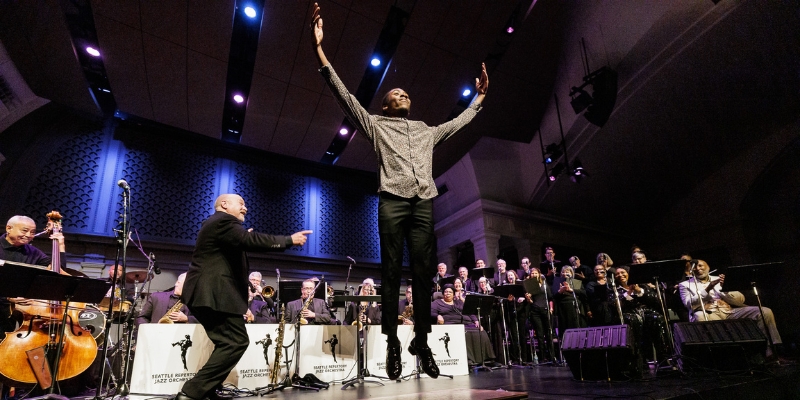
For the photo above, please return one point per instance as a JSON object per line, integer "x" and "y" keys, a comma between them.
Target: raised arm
{"x": 481, "y": 84}
{"x": 316, "y": 24}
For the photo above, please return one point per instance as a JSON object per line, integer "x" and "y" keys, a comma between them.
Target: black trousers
{"x": 229, "y": 335}
{"x": 541, "y": 328}
{"x": 409, "y": 220}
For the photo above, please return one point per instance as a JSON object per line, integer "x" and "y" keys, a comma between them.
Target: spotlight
{"x": 343, "y": 131}
{"x": 238, "y": 98}
{"x": 92, "y": 51}
{"x": 555, "y": 172}
{"x": 250, "y": 12}
{"x": 375, "y": 61}
{"x": 551, "y": 153}
{"x": 582, "y": 101}
{"x": 510, "y": 29}
{"x": 466, "y": 93}
{"x": 577, "y": 172}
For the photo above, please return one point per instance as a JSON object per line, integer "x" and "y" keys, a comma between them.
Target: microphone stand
{"x": 574, "y": 297}
{"x": 616, "y": 299}
{"x": 122, "y": 238}
{"x": 697, "y": 290}
{"x": 549, "y": 322}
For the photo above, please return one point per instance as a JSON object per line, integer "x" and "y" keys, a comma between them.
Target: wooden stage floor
{"x": 556, "y": 382}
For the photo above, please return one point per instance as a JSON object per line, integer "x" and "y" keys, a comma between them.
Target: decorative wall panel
{"x": 172, "y": 191}
{"x": 67, "y": 180}
{"x": 277, "y": 202}
{"x": 348, "y": 222}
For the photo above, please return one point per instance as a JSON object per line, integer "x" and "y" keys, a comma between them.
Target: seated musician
{"x": 463, "y": 274}
{"x": 316, "y": 313}
{"x": 484, "y": 287}
{"x": 129, "y": 288}
{"x": 460, "y": 293}
{"x": 721, "y": 305}
{"x": 371, "y": 314}
{"x": 15, "y": 245}
{"x": 406, "y": 310}
{"x": 441, "y": 273}
{"x": 640, "y": 307}
{"x": 159, "y": 305}
{"x": 260, "y": 310}
{"x": 448, "y": 311}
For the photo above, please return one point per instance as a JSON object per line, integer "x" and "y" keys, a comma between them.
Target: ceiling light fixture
{"x": 92, "y": 51}
{"x": 250, "y": 12}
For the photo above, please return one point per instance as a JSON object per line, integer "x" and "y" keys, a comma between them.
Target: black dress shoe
{"x": 394, "y": 367}
{"x": 214, "y": 395}
{"x": 183, "y": 396}
{"x": 314, "y": 381}
{"x": 426, "y": 361}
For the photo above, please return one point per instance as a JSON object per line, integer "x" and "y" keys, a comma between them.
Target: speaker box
{"x": 727, "y": 345}
{"x": 601, "y": 353}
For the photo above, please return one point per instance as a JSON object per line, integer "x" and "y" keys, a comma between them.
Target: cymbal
{"x": 138, "y": 276}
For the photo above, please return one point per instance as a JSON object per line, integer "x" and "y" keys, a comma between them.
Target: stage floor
{"x": 555, "y": 382}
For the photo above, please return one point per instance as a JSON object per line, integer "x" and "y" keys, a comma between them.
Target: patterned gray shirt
{"x": 404, "y": 148}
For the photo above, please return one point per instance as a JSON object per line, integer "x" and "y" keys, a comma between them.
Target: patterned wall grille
{"x": 277, "y": 202}
{"x": 172, "y": 191}
{"x": 348, "y": 221}
{"x": 66, "y": 182}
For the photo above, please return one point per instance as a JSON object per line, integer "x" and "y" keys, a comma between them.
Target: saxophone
{"x": 310, "y": 298}
{"x": 276, "y": 363}
{"x": 165, "y": 319}
{"x": 361, "y": 310}
{"x": 408, "y": 313}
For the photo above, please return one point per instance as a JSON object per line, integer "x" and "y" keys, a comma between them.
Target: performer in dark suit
{"x": 550, "y": 267}
{"x": 216, "y": 289}
{"x": 317, "y": 312}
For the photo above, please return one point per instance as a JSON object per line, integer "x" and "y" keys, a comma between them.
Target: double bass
{"x": 29, "y": 354}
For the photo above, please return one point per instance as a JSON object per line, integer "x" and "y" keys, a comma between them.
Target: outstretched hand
{"x": 299, "y": 238}
{"x": 481, "y": 84}
{"x": 316, "y": 24}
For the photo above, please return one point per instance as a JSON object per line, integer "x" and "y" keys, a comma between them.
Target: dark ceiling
{"x": 699, "y": 82}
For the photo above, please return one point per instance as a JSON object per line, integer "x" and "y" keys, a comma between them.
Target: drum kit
{"x": 93, "y": 317}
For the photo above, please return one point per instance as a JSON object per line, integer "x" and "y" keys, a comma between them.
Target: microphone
{"x": 121, "y": 183}
{"x": 351, "y": 259}
{"x": 156, "y": 269}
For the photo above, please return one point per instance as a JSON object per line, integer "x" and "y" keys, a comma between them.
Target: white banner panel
{"x": 454, "y": 363}
{"x": 167, "y": 355}
{"x": 252, "y": 371}
{"x": 328, "y": 351}
{"x": 160, "y": 353}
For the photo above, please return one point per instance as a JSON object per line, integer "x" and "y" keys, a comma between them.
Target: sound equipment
{"x": 727, "y": 345}
{"x": 600, "y": 353}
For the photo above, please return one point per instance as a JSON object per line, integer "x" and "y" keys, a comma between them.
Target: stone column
{"x": 486, "y": 247}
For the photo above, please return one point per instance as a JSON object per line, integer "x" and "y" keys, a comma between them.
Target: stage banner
{"x": 159, "y": 366}
{"x": 446, "y": 341}
{"x": 167, "y": 355}
{"x": 328, "y": 352}
{"x": 253, "y": 369}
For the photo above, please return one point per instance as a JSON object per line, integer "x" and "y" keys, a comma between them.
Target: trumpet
{"x": 268, "y": 292}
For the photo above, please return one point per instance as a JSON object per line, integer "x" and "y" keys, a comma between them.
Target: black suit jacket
{"x": 217, "y": 277}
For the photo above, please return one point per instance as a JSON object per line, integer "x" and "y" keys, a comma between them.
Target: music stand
{"x": 446, "y": 281}
{"x": 363, "y": 373}
{"x": 34, "y": 282}
{"x": 743, "y": 277}
{"x": 651, "y": 271}
{"x": 477, "y": 273}
{"x": 472, "y": 306}
{"x": 502, "y": 292}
